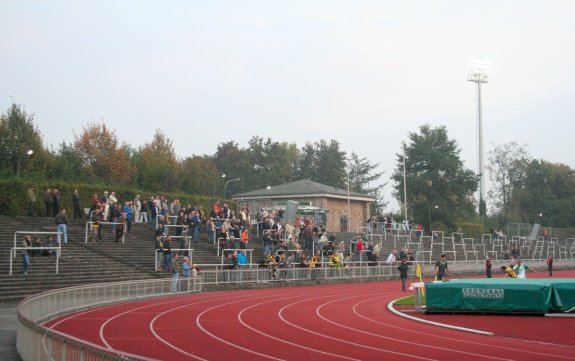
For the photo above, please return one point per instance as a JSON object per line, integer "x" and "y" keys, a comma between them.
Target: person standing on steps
{"x": 96, "y": 218}
{"x": 48, "y": 201}
{"x": 129, "y": 212}
{"x": 137, "y": 208}
{"x": 56, "y": 202}
{"x": 403, "y": 269}
{"x": 175, "y": 268}
{"x": 31, "y": 198}
{"x": 61, "y": 221}
{"x": 120, "y": 228}
{"x": 26, "y": 242}
{"x": 76, "y": 204}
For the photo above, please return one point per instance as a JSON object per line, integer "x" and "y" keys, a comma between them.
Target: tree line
{"x": 440, "y": 189}
{"x": 96, "y": 155}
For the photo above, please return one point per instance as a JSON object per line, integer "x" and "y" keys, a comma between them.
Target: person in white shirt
{"x": 392, "y": 258}
{"x": 520, "y": 269}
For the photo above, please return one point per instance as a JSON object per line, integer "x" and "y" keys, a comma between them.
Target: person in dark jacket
{"x": 61, "y": 220}
{"x": 48, "y": 202}
{"x": 56, "y": 202}
{"x": 403, "y": 269}
{"x": 76, "y": 204}
{"x": 488, "y": 267}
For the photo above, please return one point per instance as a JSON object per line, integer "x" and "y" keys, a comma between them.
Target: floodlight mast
{"x": 479, "y": 69}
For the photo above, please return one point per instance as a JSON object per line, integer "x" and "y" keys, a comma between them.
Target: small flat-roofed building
{"x": 328, "y": 204}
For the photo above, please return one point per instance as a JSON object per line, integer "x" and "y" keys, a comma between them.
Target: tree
{"x": 102, "y": 157}
{"x": 323, "y": 162}
{"x": 330, "y": 163}
{"x": 233, "y": 162}
{"x": 157, "y": 165}
{"x": 306, "y": 163}
{"x": 435, "y": 177}
{"x": 547, "y": 194}
{"x": 362, "y": 176}
{"x": 21, "y": 146}
{"x": 507, "y": 166}
{"x": 67, "y": 164}
{"x": 200, "y": 175}
{"x": 273, "y": 162}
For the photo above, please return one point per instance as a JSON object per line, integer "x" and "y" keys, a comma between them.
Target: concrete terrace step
{"x": 84, "y": 263}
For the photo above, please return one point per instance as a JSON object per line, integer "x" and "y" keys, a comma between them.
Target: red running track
{"x": 328, "y": 322}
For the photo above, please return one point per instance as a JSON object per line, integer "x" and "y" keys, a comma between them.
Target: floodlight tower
{"x": 478, "y": 71}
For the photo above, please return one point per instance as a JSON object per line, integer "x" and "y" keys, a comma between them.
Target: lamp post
{"x": 29, "y": 152}
{"x": 429, "y": 216}
{"x": 348, "y": 201}
{"x": 405, "y": 191}
{"x": 215, "y": 181}
{"x": 479, "y": 69}
{"x": 226, "y": 185}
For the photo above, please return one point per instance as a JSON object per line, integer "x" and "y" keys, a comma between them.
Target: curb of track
{"x": 444, "y": 325}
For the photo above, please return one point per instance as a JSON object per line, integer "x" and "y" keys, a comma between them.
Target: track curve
{"x": 328, "y": 322}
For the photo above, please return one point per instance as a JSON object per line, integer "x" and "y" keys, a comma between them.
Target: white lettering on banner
{"x": 486, "y": 293}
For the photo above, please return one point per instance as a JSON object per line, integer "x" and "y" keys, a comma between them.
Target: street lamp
{"x": 226, "y": 185}
{"x": 405, "y": 192}
{"x": 29, "y": 152}
{"x": 215, "y": 180}
{"x": 429, "y": 216}
{"x": 347, "y": 168}
{"x": 479, "y": 69}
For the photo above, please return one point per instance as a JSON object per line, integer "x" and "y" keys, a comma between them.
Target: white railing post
{"x": 11, "y": 250}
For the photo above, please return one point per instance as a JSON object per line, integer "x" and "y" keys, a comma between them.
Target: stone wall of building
{"x": 338, "y": 207}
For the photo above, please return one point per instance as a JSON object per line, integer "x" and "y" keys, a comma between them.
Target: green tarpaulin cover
{"x": 501, "y": 295}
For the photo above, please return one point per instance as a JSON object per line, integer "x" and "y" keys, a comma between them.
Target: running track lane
{"x": 330, "y": 322}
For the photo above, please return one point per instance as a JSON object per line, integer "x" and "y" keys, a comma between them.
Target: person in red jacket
{"x": 244, "y": 239}
{"x": 488, "y": 267}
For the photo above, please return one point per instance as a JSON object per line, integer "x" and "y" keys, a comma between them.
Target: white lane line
{"x": 281, "y": 311}
{"x": 402, "y": 341}
{"x": 198, "y": 323}
{"x": 457, "y": 339}
{"x": 444, "y": 325}
{"x": 285, "y": 341}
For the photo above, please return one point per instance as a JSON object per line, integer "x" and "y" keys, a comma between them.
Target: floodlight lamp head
{"x": 478, "y": 70}
{"x": 479, "y": 66}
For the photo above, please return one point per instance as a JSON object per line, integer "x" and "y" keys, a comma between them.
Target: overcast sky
{"x": 364, "y": 73}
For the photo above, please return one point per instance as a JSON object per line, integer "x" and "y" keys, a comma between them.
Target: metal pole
{"x": 481, "y": 162}
{"x": 58, "y": 255}
{"x": 429, "y": 216}
{"x": 11, "y": 255}
{"x": 404, "y": 191}
{"x": 348, "y": 205}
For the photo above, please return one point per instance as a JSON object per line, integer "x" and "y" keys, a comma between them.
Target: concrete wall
{"x": 337, "y": 208}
